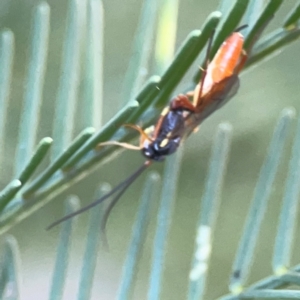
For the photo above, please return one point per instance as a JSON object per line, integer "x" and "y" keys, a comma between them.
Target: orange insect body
{"x": 180, "y": 118}
{"x": 228, "y": 60}
{"x": 218, "y": 84}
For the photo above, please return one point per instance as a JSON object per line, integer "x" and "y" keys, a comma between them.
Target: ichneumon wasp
{"x": 182, "y": 116}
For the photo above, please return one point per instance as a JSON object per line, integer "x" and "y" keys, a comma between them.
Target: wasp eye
{"x": 148, "y": 152}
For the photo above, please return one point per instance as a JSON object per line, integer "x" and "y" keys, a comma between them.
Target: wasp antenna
{"x": 241, "y": 28}
{"x": 121, "y": 186}
{"x": 107, "y": 214}
{"x": 114, "y": 201}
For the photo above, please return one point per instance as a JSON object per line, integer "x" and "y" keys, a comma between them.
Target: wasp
{"x": 182, "y": 116}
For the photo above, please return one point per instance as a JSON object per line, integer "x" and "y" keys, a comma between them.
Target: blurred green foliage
{"x": 264, "y": 92}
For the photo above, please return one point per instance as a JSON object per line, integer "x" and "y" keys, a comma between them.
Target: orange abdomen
{"x": 227, "y": 58}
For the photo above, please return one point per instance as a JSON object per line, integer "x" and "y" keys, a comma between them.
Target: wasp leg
{"x": 116, "y": 143}
{"x": 196, "y": 129}
{"x": 144, "y": 136}
{"x": 142, "y": 132}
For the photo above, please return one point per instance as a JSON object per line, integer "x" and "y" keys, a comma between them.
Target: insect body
{"x": 166, "y": 136}
{"x": 183, "y": 115}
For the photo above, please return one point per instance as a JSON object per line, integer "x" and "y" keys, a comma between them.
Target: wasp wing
{"x": 220, "y": 94}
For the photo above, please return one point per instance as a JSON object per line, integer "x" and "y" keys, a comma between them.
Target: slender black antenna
{"x": 121, "y": 186}
{"x": 241, "y": 27}
{"x": 112, "y": 205}
{"x": 114, "y": 201}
